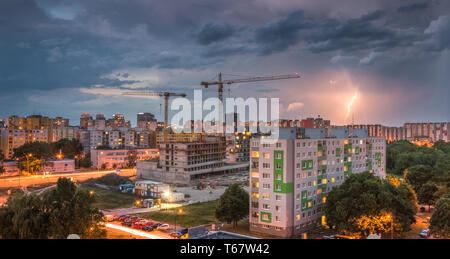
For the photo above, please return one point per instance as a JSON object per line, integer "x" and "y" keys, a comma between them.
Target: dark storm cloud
{"x": 53, "y": 46}
{"x": 213, "y": 32}
{"x": 279, "y": 35}
{"x": 439, "y": 31}
{"x": 413, "y": 7}
{"x": 322, "y": 35}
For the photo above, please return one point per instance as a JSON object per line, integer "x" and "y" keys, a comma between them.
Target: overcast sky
{"x": 377, "y": 61}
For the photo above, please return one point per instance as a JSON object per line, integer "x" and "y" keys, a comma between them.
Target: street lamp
{"x": 28, "y": 161}
{"x": 392, "y": 225}
{"x": 176, "y": 214}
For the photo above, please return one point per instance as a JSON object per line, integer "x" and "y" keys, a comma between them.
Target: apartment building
{"x": 238, "y": 147}
{"x": 426, "y": 131}
{"x": 38, "y": 122}
{"x": 290, "y": 179}
{"x": 14, "y": 138}
{"x": 119, "y": 158}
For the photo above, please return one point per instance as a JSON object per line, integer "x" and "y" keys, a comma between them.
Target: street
{"x": 53, "y": 178}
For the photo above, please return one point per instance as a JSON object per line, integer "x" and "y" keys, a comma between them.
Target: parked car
{"x": 425, "y": 233}
{"x": 127, "y": 223}
{"x": 147, "y": 228}
{"x": 175, "y": 234}
{"x": 123, "y": 217}
{"x": 109, "y": 218}
{"x": 163, "y": 227}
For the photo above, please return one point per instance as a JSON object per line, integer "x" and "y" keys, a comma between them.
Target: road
{"x": 136, "y": 232}
{"x": 53, "y": 178}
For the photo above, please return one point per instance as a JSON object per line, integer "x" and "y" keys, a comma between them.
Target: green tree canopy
{"x": 38, "y": 150}
{"x": 427, "y": 194}
{"x": 440, "y": 220}
{"x": 367, "y": 196}
{"x": 54, "y": 214}
{"x": 233, "y": 205}
{"x": 69, "y": 148}
{"x": 418, "y": 175}
{"x": 442, "y": 146}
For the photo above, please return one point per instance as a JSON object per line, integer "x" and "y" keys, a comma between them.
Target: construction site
{"x": 200, "y": 158}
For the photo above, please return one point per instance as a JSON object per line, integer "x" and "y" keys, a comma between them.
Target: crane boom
{"x": 251, "y": 79}
{"x": 221, "y": 82}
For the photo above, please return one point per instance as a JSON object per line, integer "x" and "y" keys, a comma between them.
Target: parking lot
{"x": 143, "y": 228}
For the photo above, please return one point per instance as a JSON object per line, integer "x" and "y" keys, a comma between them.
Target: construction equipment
{"x": 166, "y": 96}
{"x": 220, "y": 84}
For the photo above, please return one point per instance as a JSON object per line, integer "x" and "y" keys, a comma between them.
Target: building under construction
{"x": 183, "y": 160}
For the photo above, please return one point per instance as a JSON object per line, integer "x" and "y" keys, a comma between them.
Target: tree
{"x": 104, "y": 165}
{"x": 86, "y": 162}
{"x": 364, "y": 198}
{"x": 442, "y": 146}
{"x": 69, "y": 148}
{"x": 53, "y": 214}
{"x": 132, "y": 160}
{"x": 426, "y": 194}
{"x": 418, "y": 175}
{"x": 233, "y": 205}
{"x": 440, "y": 220}
{"x": 408, "y": 194}
{"x": 25, "y": 217}
{"x": 72, "y": 212}
{"x": 39, "y": 150}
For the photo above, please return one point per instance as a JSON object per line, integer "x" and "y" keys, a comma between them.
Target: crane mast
{"x": 166, "y": 96}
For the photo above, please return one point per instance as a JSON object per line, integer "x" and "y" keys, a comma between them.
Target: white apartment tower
{"x": 290, "y": 179}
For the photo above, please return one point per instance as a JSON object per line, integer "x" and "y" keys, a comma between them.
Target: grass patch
{"x": 14, "y": 191}
{"x": 112, "y": 179}
{"x": 111, "y": 199}
{"x": 192, "y": 215}
{"x": 36, "y": 187}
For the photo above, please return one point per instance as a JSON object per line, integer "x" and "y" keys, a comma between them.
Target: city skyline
{"x": 380, "y": 62}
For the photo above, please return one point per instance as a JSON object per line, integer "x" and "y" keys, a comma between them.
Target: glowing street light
{"x": 389, "y": 216}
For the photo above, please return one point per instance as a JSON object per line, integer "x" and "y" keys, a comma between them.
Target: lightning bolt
{"x": 349, "y": 105}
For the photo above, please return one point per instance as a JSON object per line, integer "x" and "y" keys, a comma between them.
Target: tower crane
{"x": 220, "y": 84}
{"x": 166, "y": 96}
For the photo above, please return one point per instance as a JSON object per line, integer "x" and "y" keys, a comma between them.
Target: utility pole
{"x": 392, "y": 227}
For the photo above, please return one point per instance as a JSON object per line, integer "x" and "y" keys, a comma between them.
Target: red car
{"x": 123, "y": 217}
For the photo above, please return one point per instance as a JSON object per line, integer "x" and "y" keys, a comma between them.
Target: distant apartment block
{"x": 120, "y": 158}
{"x": 290, "y": 179}
{"x": 427, "y": 131}
{"x": 146, "y": 120}
{"x": 38, "y": 122}
{"x": 14, "y": 138}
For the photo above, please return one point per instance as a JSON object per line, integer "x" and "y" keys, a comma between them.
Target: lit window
{"x": 255, "y": 154}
